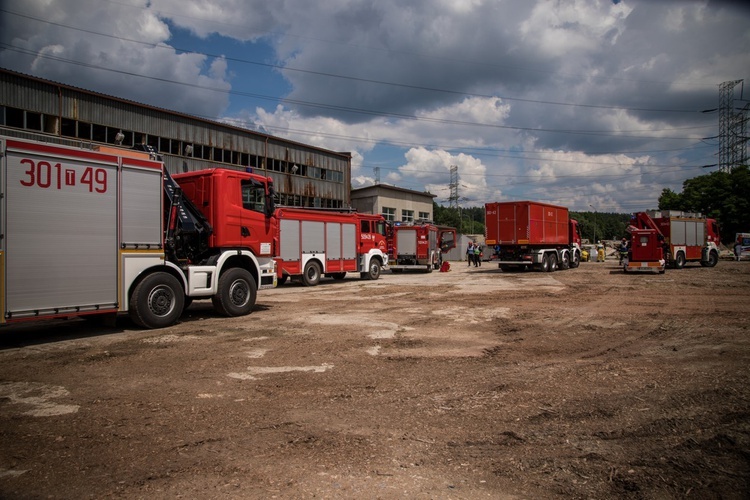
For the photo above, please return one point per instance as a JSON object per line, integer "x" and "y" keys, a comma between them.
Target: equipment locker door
{"x": 60, "y": 233}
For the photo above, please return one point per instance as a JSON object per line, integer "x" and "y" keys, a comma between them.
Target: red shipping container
{"x": 526, "y": 223}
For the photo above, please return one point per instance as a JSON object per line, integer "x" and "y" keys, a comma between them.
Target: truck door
{"x": 447, "y": 240}
{"x": 256, "y": 227}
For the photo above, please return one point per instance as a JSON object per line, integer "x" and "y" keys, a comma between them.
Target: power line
{"x": 352, "y": 78}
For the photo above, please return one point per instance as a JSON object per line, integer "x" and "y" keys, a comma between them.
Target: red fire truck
{"x": 685, "y": 237}
{"x": 532, "y": 235}
{"x": 418, "y": 246}
{"x": 104, "y": 232}
{"x": 314, "y": 243}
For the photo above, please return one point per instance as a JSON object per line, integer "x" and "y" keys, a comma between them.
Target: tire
{"x": 545, "y": 263}
{"x": 236, "y": 294}
{"x": 311, "y": 274}
{"x": 565, "y": 263}
{"x": 338, "y": 276}
{"x": 282, "y": 280}
{"x": 713, "y": 259}
{"x": 679, "y": 260}
{"x": 552, "y": 263}
{"x": 576, "y": 261}
{"x": 373, "y": 272}
{"x": 157, "y": 301}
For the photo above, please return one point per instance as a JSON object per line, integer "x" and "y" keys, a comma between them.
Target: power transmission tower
{"x": 377, "y": 174}
{"x": 732, "y": 129}
{"x": 453, "y": 198}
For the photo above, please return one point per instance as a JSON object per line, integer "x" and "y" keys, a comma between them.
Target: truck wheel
{"x": 157, "y": 301}
{"x": 311, "y": 275}
{"x": 679, "y": 260}
{"x": 552, "y": 263}
{"x": 565, "y": 263}
{"x": 576, "y": 261}
{"x": 713, "y": 259}
{"x": 545, "y": 263}
{"x": 282, "y": 280}
{"x": 236, "y": 294}
{"x": 373, "y": 272}
{"x": 338, "y": 276}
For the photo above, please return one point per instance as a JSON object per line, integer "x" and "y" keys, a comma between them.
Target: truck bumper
{"x": 645, "y": 267}
{"x": 408, "y": 266}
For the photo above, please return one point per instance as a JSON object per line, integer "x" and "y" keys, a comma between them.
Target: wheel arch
{"x": 166, "y": 267}
{"x": 244, "y": 260}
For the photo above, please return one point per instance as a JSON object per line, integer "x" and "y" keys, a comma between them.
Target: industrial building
{"x": 43, "y": 110}
{"x": 394, "y": 203}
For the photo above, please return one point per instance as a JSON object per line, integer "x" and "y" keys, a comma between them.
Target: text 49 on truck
{"x": 104, "y": 232}
{"x": 532, "y": 235}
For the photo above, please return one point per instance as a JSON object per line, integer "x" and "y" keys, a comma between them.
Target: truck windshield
{"x": 253, "y": 196}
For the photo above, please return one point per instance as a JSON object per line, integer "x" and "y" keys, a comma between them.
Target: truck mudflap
{"x": 645, "y": 267}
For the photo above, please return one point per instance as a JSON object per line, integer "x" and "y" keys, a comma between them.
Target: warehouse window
{"x": 407, "y": 215}
{"x": 84, "y": 131}
{"x": 99, "y": 133}
{"x": 33, "y": 121}
{"x": 389, "y": 213}
{"x": 424, "y": 215}
{"x": 14, "y": 117}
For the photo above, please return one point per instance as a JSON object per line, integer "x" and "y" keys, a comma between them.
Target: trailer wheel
{"x": 236, "y": 294}
{"x": 311, "y": 274}
{"x": 373, "y": 272}
{"x": 679, "y": 260}
{"x": 157, "y": 301}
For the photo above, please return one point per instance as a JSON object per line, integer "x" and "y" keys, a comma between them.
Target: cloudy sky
{"x": 585, "y": 103}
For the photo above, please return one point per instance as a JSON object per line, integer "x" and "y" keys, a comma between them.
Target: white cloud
{"x": 587, "y": 103}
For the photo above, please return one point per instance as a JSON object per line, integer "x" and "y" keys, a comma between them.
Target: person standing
{"x": 738, "y": 248}
{"x": 477, "y": 255}
{"x": 470, "y": 253}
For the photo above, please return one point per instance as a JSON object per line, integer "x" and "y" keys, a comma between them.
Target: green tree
{"x": 724, "y": 196}
{"x": 468, "y": 220}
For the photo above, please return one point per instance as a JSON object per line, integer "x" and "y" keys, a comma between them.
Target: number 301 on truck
{"x": 86, "y": 232}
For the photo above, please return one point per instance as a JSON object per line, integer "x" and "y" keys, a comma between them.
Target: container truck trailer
{"x": 532, "y": 235}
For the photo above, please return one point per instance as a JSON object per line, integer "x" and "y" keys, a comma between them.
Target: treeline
{"x": 724, "y": 196}
{"x": 471, "y": 221}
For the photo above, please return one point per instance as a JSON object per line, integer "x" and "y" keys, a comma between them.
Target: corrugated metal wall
{"x": 65, "y": 102}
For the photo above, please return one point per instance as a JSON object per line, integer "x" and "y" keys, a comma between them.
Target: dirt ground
{"x": 586, "y": 383}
